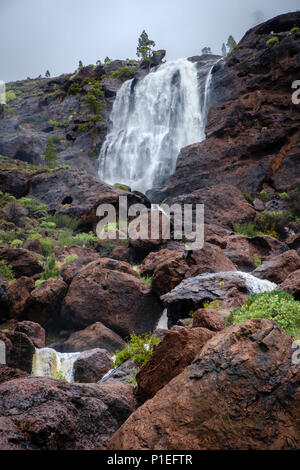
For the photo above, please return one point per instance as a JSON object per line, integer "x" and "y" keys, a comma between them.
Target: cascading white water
{"x": 152, "y": 119}
{"x": 163, "y": 321}
{"x": 49, "y": 363}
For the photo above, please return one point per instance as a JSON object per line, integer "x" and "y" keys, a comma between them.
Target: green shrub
{"x": 58, "y": 124}
{"x": 70, "y": 258}
{"x": 124, "y": 73}
{"x": 8, "y": 236}
{"x": 6, "y": 270}
{"x": 139, "y": 349}
{"x": 296, "y": 29}
{"x": 48, "y": 244}
{"x": 32, "y": 205}
{"x": 146, "y": 280}
{"x": 50, "y": 154}
{"x": 50, "y": 225}
{"x": 51, "y": 269}
{"x": 65, "y": 238}
{"x": 247, "y": 229}
{"x": 16, "y": 243}
{"x": 123, "y": 187}
{"x": 39, "y": 282}
{"x": 95, "y": 98}
{"x": 256, "y": 261}
{"x": 85, "y": 239}
{"x": 63, "y": 221}
{"x": 264, "y": 196}
{"x": 273, "y": 223}
{"x": 273, "y": 41}
{"x": 10, "y": 96}
{"x": 276, "y": 305}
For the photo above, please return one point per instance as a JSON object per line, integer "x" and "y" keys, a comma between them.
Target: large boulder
{"x": 44, "y": 303}
{"x": 49, "y": 414}
{"x": 34, "y": 331}
{"x": 19, "y": 293}
{"x": 169, "y": 273}
{"x": 277, "y": 269}
{"x": 105, "y": 291}
{"x": 210, "y": 319}
{"x": 244, "y": 251}
{"x": 20, "y": 349}
{"x": 240, "y": 393}
{"x": 230, "y": 289}
{"x": 92, "y": 365}
{"x": 224, "y": 205}
{"x": 176, "y": 351}
{"x": 7, "y": 373}
{"x": 210, "y": 259}
{"x": 292, "y": 284}
{"x": 22, "y": 261}
{"x": 92, "y": 337}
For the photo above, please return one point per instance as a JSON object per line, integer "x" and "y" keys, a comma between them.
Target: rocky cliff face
{"x": 57, "y": 107}
{"x": 253, "y": 127}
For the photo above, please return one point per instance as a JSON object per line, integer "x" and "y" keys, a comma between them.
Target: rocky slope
{"x": 207, "y": 385}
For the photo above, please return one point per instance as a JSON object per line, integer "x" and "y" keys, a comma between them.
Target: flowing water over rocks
{"x": 152, "y": 119}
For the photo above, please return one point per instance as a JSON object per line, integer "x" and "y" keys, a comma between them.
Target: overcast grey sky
{"x": 37, "y": 35}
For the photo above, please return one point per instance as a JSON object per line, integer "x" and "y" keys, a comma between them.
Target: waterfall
{"x": 49, "y": 363}
{"x": 152, "y": 119}
{"x": 163, "y": 321}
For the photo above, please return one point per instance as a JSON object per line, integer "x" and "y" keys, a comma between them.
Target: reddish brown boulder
{"x": 278, "y": 268}
{"x": 155, "y": 258}
{"x": 92, "y": 365}
{"x": 224, "y": 204}
{"x": 240, "y": 393}
{"x": 19, "y": 293}
{"x": 292, "y": 284}
{"x": 210, "y": 259}
{"x": 243, "y": 250}
{"x": 94, "y": 336}
{"x": 101, "y": 292}
{"x": 294, "y": 241}
{"x": 210, "y": 319}
{"x": 7, "y": 373}
{"x": 45, "y": 301}
{"x": 175, "y": 352}
{"x": 22, "y": 261}
{"x": 169, "y": 273}
{"x": 145, "y": 242}
{"x": 33, "y": 245}
{"x": 34, "y": 331}
{"x": 48, "y": 414}
{"x": 19, "y": 350}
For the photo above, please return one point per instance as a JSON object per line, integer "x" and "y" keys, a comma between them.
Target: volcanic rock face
{"x": 49, "y": 414}
{"x": 253, "y": 136}
{"x": 241, "y": 392}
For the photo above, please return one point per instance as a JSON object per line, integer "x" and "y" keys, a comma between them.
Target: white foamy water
{"x": 152, "y": 119}
{"x": 48, "y": 363}
{"x": 163, "y": 321}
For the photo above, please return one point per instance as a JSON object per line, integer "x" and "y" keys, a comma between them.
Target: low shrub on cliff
{"x": 139, "y": 349}
{"x": 273, "y": 41}
{"x": 6, "y": 271}
{"x": 51, "y": 269}
{"x": 275, "y": 305}
{"x": 246, "y": 229}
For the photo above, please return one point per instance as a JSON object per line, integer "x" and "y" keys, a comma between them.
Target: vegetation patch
{"x": 139, "y": 349}
{"x": 276, "y": 305}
